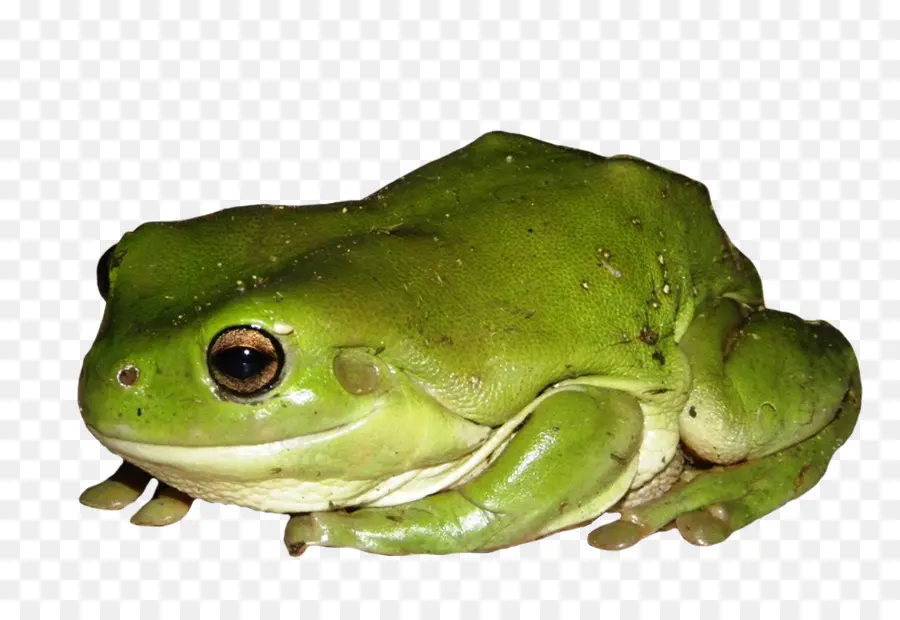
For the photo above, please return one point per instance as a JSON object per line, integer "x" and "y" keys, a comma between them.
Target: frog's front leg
{"x": 574, "y": 457}
{"x": 773, "y": 398}
{"x": 168, "y": 505}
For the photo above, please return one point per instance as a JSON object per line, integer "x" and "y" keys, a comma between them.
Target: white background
{"x": 112, "y": 114}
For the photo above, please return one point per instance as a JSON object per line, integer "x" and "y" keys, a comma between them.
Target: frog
{"x": 511, "y": 341}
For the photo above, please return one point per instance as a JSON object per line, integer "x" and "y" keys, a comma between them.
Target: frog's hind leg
{"x": 773, "y": 398}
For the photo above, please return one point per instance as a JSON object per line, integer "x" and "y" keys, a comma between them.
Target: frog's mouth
{"x": 254, "y": 476}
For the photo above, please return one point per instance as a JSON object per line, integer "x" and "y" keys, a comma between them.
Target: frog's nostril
{"x": 128, "y": 376}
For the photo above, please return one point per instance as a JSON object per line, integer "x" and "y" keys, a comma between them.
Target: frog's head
{"x": 211, "y": 372}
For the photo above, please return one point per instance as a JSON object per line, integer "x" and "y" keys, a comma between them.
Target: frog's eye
{"x": 103, "y": 266}
{"x": 245, "y": 360}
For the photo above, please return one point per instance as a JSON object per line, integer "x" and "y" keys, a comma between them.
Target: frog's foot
{"x": 715, "y": 502}
{"x": 168, "y": 505}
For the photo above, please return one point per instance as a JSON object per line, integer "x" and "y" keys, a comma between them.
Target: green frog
{"x": 507, "y": 342}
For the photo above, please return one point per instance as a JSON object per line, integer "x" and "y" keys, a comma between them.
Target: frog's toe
{"x": 168, "y": 506}
{"x": 617, "y": 535}
{"x": 300, "y": 530}
{"x": 117, "y": 491}
{"x": 705, "y": 527}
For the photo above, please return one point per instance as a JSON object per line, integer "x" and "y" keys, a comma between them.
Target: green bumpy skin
{"x": 507, "y": 342}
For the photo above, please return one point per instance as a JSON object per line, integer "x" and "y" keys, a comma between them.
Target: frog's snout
{"x": 114, "y": 393}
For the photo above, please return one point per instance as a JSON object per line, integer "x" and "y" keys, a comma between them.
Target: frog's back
{"x": 574, "y": 209}
{"x": 512, "y": 263}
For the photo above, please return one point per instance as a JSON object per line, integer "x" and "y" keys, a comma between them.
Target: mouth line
{"x": 199, "y": 455}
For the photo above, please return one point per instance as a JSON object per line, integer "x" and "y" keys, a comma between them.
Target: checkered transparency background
{"x": 112, "y": 114}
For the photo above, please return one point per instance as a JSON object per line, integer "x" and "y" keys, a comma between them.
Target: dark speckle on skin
{"x": 692, "y": 412}
{"x": 139, "y": 412}
{"x": 800, "y": 479}
{"x": 648, "y": 336}
{"x": 276, "y": 470}
{"x": 531, "y": 230}
{"x": 659, "y": 358}
{"x": 621, "y": 460}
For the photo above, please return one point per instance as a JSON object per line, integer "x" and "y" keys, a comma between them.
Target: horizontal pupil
{"x": 241, "y": 362}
